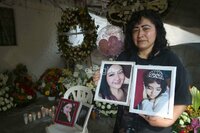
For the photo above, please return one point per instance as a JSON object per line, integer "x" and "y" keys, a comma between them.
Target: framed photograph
{"x": 153, "y": 90}
{"x": 115, "y": 82}
{"x": 83, "y": 116}
{"x": 66, "y": 112}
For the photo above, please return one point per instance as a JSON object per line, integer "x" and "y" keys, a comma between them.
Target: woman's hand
{"x": 165, "y": 122}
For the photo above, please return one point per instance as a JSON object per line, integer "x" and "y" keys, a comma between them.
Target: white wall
{"x": 36, "y": 39}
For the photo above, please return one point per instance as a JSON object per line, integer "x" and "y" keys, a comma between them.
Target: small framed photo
{"x": 83, "y": 116}
{"x": 66, "y": 112}
{"x": 153, "y": 90}
{"x": 115, "y": 82}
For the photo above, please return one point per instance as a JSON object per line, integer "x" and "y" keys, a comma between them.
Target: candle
{"x": 46, "y": 111}
{"x": 34, "y": 115}
{"x": 50, "y": 112}
{"x": 26, "y": 118}
{"x": 30, "y": 118}
{"x": 39, "y": 115}
{"x": 43, "y": 111}
{"x": 53, "y": 109}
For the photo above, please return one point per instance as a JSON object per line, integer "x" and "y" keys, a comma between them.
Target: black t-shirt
{"x": 132, "y": 123}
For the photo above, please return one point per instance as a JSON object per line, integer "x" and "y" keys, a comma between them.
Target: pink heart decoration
{"x": 112, "y": 47}
{"x": 103, "y": 47}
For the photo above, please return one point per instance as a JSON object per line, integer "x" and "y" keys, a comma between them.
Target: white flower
{"x": 102, "y": 107}
{"x": 8, "y": 106}
{"x": 1, "y": 99}
{"x": 108, "y": 106}
{"x": 99, "y": 104}
{"x": 4, "y": 108}
{"x": 29, "y": 97}
{"x": 11, "y": 99}
{"x": 6, "y": 100}
{"x": 75, "y": 74}
{"x": 3, "y": 92}
{"x": 6, "y": 88}
{"x": 2, "y": 103}
{"x": 43, "y": 84}
{"x": 6, "y": 95}
{"x": 104, "y": 103}
{"x": 89, "y": 72}
{"x": 181, "y": 122}
{"x": 95, "y": 67}
{"x": 79, "y": 66}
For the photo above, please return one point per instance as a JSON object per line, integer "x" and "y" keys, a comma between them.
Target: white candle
{"x": 39, "y": 115}
{"x": 43, "y": 111}
{"x": 53, "y": 109}
{"x": 46, "y": 111}
{"x": 34, "y": 115}
{"x": 26, "y": 118}
{"x": 30, "y": 118}
{"x": 50, "y": 112}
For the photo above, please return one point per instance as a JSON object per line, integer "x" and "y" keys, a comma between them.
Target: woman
{"x": 112, "y": 86}
{"x": 155, "y": 94}
{"x": 146, "y": 44}
{"x": 66, "y": 111}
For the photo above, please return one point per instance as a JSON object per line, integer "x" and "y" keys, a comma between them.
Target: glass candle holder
{"x": 30, "y": 118}
{"x": 26, "y": 118}
{"x": 39, "y": 114}
{"x": 34, "y": 116}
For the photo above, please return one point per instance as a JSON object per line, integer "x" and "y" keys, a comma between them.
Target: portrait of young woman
{"x": 153, "y": 90}
{"x": 115, "y": 82}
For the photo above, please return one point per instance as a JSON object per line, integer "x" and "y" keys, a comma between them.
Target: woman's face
{"x": 144, "y": 35}
{"x": 67, "y": 108}
{"x": 153, "y": 90}
{"x": 115, "y": 76}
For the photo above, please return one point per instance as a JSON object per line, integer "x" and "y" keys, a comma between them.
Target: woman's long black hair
{"x": 160, "y": 42}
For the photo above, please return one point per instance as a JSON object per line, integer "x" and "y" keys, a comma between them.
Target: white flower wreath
{"x": 69, "y": 20}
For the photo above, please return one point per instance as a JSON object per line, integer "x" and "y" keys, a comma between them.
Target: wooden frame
{"x": 141, "y": 99}
{"x": 101, "y": 92}
{"x": 61, "y": 116}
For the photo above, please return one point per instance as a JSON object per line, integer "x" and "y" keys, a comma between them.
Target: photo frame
{"x": 153, "y": 98}
{"x": 115, "y": 82}
{"x": 66, "y": 112}
{"x": 83, "y": 116}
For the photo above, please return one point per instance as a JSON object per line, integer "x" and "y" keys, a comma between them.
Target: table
{"x": 12, "y": 121}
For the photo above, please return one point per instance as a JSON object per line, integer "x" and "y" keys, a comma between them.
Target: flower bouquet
{"x": 6, "y": 100}
{"x": 22, "y": 89}
{"x": 189, "y": 121}
{"x": 50, "y": 83}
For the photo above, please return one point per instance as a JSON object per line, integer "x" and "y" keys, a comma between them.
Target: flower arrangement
{"x": 189, "y": 121}
{"x": 6, "y": 101}
{"x": 50, "y": 82}
{"x": 56, "y": 81}
{"x": 107, "y": 109}
{"x": 22, "y": 89}
{"x": 69, "y": 20}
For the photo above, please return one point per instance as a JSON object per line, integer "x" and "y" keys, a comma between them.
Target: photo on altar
{"x": 153, "y": 89}
{"x": 66, "y": 112}
{"x": 115, "y": 82}
{"x": 83, "y": 116}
